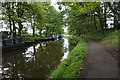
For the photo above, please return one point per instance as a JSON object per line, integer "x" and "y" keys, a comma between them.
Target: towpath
{"x": 98, "y": 63}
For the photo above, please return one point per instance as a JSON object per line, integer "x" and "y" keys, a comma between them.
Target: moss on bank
{"x": 70, "y": 67}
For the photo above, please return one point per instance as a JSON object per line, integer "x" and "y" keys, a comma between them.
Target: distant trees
{"x": 41, "y": 16}
{"x": 85, "y": 17}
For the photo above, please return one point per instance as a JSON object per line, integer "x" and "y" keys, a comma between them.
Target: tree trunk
{"x": 33, "y": 29}
{"x": 91, "y": 19}
{"x": 115, "y": 19}
{"x": 14, "y": 29}
{"x": 20, "y": 28}
{"x": 95, "y": 23}
{"x": 20, "y": 13}
{"x": 119, "y": 15}
{"x": 41, "y": 31}
{"x": 100, "y": 20}
{"x": 115, "y": 22}
{"x": 87, "y": 29}
{"x": 9, "y": 16}
{"x": 46, "y": 31}
{"x": 10, "y": 26}
{"x": 105, "y": 20}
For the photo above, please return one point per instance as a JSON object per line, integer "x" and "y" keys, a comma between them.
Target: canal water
{"x": 36, "y": 61}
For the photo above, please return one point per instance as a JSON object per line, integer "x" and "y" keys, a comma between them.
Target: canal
{"x": 36, "y": 61}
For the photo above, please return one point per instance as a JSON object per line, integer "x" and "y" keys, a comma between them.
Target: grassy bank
{"x": 32, "y": 38}
{"x": 29, "y": 37}
{"x": 70, "y": 67}
{"x": 109, "y": 36}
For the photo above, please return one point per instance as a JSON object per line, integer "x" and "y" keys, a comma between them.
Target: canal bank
{"x": 73, "y": 64}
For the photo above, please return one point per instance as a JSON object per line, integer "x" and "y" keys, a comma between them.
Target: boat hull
{"x": 13, "y": 47}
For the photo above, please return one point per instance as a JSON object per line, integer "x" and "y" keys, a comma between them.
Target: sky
{"x": 54, "y": 3}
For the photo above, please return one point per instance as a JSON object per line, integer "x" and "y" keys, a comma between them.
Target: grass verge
{"x": 109, "y": 36}
{"x": 70, "y": 67}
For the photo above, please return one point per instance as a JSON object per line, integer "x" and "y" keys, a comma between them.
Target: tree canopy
{"x": 40, "y": 16}
{"x": 85, "y": 17}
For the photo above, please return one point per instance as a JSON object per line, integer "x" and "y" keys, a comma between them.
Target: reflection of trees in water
{"x": 39, "y": 64}
{"x": 11, "y": 56}
{"x": 41, "y": 47}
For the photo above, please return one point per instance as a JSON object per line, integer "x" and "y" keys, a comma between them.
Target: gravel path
{"x": 99, "y": 63}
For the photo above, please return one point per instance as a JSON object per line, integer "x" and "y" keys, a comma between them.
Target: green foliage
{"x": 40, "y": 16}
{"x": 79, "y": 18}
{"x": 92, "y": 35}
{"x": 110, "y": 36}
{"x": 70, "y": 67}
{"x": 90, "y": 17}
{"x": 29, "y": 37}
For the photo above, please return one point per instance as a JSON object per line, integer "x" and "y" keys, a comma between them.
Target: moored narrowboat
{"x": 12, "y": 44}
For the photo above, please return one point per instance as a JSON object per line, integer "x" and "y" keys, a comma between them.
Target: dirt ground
{"x": 111, "y": 48}
{"x": 98, "y": 62}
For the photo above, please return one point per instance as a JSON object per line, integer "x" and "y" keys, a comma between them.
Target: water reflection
{"x": 0, "y": 71}
{"x": 36, "y": 61}
{"x": 66, "y": 49}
